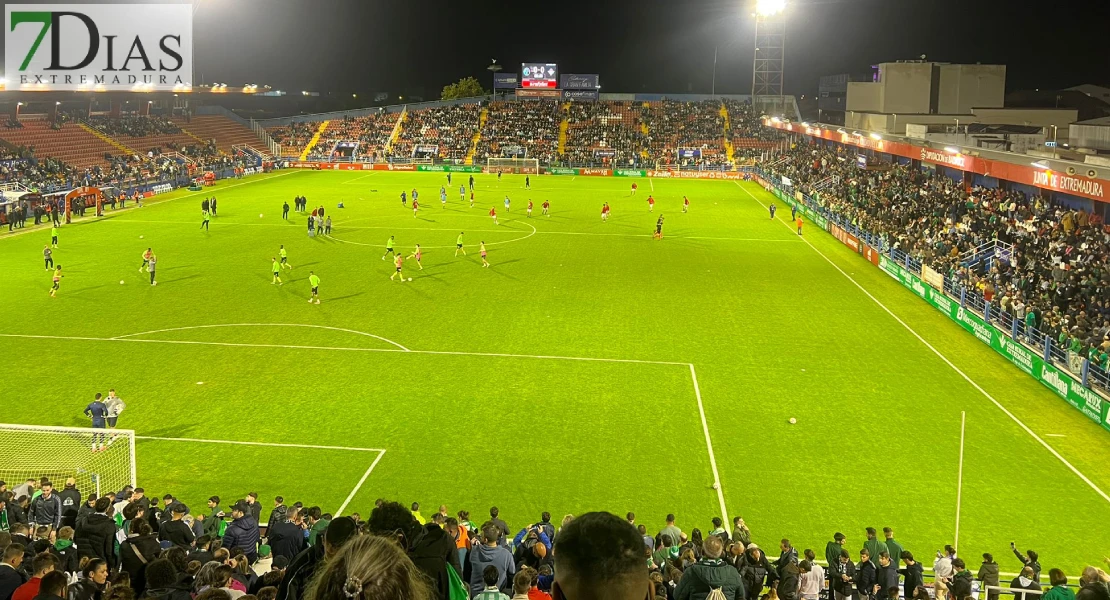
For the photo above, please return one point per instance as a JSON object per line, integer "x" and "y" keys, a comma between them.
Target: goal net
{"x": 513, "y": 165}
{"x": 101, "y": 460}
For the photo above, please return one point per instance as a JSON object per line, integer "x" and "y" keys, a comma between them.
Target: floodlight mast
{"x": 770, "y": 54}
{"x": 494, "y": 68}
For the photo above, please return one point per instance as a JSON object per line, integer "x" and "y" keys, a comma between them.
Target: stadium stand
{"x": 218, "y": 556}
{"x": 1057, "y": 280}
{"x": 449, "y": 127}
{"x": 67, "y": 142}
{"x": 521, "y": 129}
{"x": 224, "y": 131}
{"x": 673, "y": 125}
{"x": 602, "y": 132}
{"x": 371, "y": 131}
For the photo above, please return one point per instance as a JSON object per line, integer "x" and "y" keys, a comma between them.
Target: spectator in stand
{"x": 68, "y": 557}
{"x": 46, "y": 508}
{"x": 93, "y": 582}
{"x": 988, "y": 574}
{"x": 1025, "y": 581}
{"x": 11, "y": 577}
{"x": 140, "y": 547}
{"x": 428, "y": 546}
{"x": 96, "y": 537}
{"x": 600, "y": 556}
{"x": 162, "y": 584}
{"x": 490, "y": 553}
{"x": 242, "y": 532}
{"x": 277, "y": 514}
{"x": 301, "y": 571}
{"x": 1029, "y": 559}
{"x": 175, "y": 531}
{"x": 709, "y": 573}
{"x": 286, "y": 538}
{"x": 501, "y": 525}
{"x": 370, "y": 568}
{"x": 71, "y": 502}
{"x": 1060, "y": 589}
{"x": 1093, "y": 585}
{"x": 845, "y": 576}
{"x": 53, "y": 586}
{"x": 41, "y": 565}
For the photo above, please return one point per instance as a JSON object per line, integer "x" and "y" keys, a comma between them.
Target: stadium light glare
{"x": 876, "y": 136}
{"x": 951, "y": 150}
{"x": 1040, "y": 164}
{"x": 767, "y": 8}
{"x": 842, "y": 131}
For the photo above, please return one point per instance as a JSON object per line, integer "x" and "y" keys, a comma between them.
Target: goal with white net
{"x": 513, "y": 165}
{"x": 101, "y": 460}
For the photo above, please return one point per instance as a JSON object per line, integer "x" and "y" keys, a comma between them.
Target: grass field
{"x": 468, "y": 379}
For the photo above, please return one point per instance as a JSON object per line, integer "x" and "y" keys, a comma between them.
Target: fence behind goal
{"x": 101, "y": 460}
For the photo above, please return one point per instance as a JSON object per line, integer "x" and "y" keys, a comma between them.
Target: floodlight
{"x": 841, "y": 131}
{"x": 876, "y": 136}
{"x": 951, "y": 150}
{"x": 766, "y": 8}
{"x": 1040, "y": 164}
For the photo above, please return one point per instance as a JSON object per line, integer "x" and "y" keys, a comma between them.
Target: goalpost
{"x": 529, "y": 166}
{"x": 58, "y": 453}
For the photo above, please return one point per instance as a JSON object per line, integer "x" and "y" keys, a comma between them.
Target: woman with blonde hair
{"x": 370, "y": 567}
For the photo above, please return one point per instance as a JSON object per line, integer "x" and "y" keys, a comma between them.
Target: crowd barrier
{"x": 1028, "y": 349}
{"x": 583, "y": 171}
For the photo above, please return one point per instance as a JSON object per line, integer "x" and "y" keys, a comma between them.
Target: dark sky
{"x": 411, "y": 46}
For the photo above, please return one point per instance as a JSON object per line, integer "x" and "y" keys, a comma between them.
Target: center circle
{"x": 357, "y": 219}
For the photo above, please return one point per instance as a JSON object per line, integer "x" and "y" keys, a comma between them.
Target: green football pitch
{"x": 590, "y": 367}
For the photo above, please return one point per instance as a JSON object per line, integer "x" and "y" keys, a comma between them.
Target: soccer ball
{"x": 141, "y": 237}
{"x": 793, "y": 420}
{"x": 121, "y": 282}
{"x": 716, "y": 486}
{"x": 259, "y": 215}
{"x": 410, "y": 278}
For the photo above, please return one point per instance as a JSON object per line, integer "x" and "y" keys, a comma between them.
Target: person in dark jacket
{"x": 961, "y": 580}
{"x": 865, "y": 575}
{"x": 53, "y": 586}
{"x": 1025, "y": 581}
{"x": 86, "y": 509}
{"x": 788, "y": 554}
{"x": 161, "y": 582}
{"x": 1029, "y": 559}
{"x": 176, "y": 531}
{"x": 68, "y": 558}
{"x": 301, "y": 571}
{"x": 136, "y": 552}
{"x": 254, "y": 506}
{"x": 71, "y": 503}
{"x": 789, "y": 580}
{"x": 279, "y": 512}
{"x": 429, "y": 547}
{"x": 11, "y": 577}
{"x": 96, "y": 538}
{"x": 754, "y": 569}
{"x": 94, "y": 579}
{"x": 842, "y": 586}
{"x": 286, "y": 537}
{"x": 833, "y": 550}
{"x": 710, "y": 573}
{"x": 46, "y": 508}
{"x": 242, "y": 533}
{"x": 988, "y": 574}
{"x": 1093, "y": 585}
{"x": 913, "y": 573}
{"x": 886, "y": 577}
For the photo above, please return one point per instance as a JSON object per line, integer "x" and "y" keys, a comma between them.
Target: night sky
{"x": 417, "y": 46}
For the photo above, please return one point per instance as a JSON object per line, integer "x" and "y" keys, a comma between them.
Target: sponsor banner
{"x": 629, "y": 173}
{"x": 113, "y": 47}
{"x": 902, "y": 274}
{"x": 393, "y": 167}
{"x": 845, "y": 238}
{"x": 798, "y": 195}
{"x": 581, "y": 95}
{"x": 571, "y": 81}
{"x": 503, "y": 81}
{"x": 608, "y": 153}
{"x": 730, "y": 175}
{"x": 932, "y": 277}
{"x": 160, "y": 188}
{"x": 561, "y": 171}
{"x": 871, "y": 254}
{"x": 450, "y": 168}
{"x": 537, "y": 93}
{"x": 596, "y": 172}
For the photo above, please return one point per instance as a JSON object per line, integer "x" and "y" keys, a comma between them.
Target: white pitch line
{"x": 709, "y": 445}
{"x": 107, "y": 218}
{"x": 356, "y": 179}
{"x": 344, "y": 330}
{"x": 339, "y": 348}
{"x": 652, "y": 184}
{"x": 267, "y": 444}
{"x": 358, "y": 486}
{"x": 944, "y": 358}
{"x": 960, "y": 478}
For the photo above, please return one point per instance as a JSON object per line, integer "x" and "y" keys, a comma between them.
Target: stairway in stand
{"x": 315, "y": 140}
{"x": 730, "y": 152}
{"x": 482, "y": 116}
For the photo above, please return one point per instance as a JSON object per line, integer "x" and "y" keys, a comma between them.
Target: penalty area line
{"x": 709, "y": 444}
{"x": 358, "y": 485}
{"x": 944, "y": 358}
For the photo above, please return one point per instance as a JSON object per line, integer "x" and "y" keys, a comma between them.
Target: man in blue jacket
{"x": 489, "y": 553}
{"x": 242, "y": 533}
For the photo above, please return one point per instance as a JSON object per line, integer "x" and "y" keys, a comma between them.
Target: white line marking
{"x": 267, "y": 444}
{"x": 517, "y": 239}
{"x": 960, "y": 478}
{"x": 652, "y": 184}
{"x": 338, "y": 348}
{"x": 1054, "y": 435}
{"x": 377, "y": 337}
{"x": 1006, "y": 411}
{"x": 356, "y": 179}
{"x": 351, "y": 496}
{"x": 107, "y": 218}
{"x": 709, "y": 445}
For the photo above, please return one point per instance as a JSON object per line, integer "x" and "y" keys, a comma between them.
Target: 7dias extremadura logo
{"x": 99, "y": 46}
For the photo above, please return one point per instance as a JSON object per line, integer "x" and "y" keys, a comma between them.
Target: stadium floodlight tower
{"x": 494, "y": 68}
{"x": 770, "y": 54}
